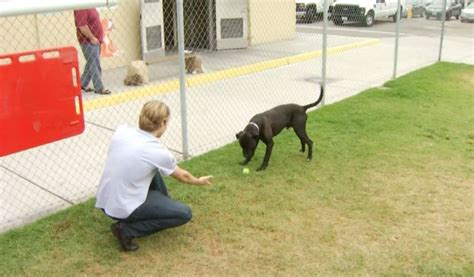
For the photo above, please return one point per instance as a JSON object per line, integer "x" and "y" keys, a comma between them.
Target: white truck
{"x": 309, "y": 10}
{"x": 365, "y": 11}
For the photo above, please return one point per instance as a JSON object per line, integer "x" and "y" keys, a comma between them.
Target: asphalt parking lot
{"x": 417, "y": 26}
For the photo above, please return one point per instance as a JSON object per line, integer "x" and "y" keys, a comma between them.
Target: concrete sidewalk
{"x": 216, "y": 61}
{"x": 237, "y": 84}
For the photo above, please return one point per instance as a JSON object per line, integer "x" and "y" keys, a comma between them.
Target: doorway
{"x": 199, "y": 25}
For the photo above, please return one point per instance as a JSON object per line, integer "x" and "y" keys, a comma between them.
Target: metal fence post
{"x": 325, "y": 48}
{"x": 397, "y": 35}
{"x": 443, "y": 20}
{"x": 182, "y": 78}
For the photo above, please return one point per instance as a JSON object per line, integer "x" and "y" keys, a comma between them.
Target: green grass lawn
{"x": 389, "y": 192}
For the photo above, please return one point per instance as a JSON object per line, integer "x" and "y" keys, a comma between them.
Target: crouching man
{"x": 131, "y": 189}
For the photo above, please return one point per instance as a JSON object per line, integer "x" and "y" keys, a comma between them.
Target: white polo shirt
{"x": 133, "y": 159}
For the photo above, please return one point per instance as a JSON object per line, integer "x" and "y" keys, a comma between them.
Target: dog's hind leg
{"x": 303, "y": 144}
{"x": 305, "y": 140}
{"x": 299, "y": 126}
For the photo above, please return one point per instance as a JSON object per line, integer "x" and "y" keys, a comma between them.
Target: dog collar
{"x": 256, "y": 126}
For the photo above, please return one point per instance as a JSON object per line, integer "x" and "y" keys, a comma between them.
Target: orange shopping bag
{"x": 107, "y": 48}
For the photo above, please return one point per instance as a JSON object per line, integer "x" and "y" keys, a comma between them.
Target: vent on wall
{"x": 232, "y": 28}
{"x": 153, "y": 38}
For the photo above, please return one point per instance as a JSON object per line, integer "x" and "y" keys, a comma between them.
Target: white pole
{"x": 325, "y": 48}
{"x": 397, "y": 35}
{"x": 24, "y": 7}
{"x": 182, "y": 78}
{"x": 443, "y": 20}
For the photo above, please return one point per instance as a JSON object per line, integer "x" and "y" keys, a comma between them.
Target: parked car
{"x": 417, "y": 6}
{"x": 453, "y": 8}
{"x": 365, "y": 11}
{"x": 309, "y": 10}
{"x": 467, "y": 14}
{"x": 427, "y": 3}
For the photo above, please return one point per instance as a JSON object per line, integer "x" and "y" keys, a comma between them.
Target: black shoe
{"x": 87, "y": 89}
{"x": 125, "y": 242}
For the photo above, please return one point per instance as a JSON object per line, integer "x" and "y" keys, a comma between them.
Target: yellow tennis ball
{"x": 245, "y": 170}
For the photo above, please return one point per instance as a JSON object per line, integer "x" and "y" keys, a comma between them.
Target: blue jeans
{"x": 92, "y": 70}
{"x": 157, "y": 213}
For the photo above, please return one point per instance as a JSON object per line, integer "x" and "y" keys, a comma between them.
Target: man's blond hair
{"x": 152, "y": 115}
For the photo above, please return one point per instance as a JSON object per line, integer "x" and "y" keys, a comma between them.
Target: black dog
{"x": 266, "y": 125}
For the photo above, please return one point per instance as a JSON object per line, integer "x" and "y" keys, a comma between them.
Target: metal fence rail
{"x": 214, "y": 62}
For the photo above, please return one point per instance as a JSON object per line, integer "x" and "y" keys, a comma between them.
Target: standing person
{"x": 131, "y": 188}
{"x": 90, "y": 35}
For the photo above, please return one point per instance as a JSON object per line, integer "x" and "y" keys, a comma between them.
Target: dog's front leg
{"x": 247, "y": 158}
{"x": 268, "y": 153}
{"x": 245, "y": 161}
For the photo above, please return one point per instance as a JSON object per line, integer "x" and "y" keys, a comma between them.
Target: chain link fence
{"x": 241, "y": 57}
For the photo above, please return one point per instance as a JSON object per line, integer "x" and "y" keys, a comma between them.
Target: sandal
{"x": 87, "y": 89}
{"x": 103, "y": 91}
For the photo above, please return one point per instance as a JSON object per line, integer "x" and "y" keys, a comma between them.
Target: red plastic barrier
{"x": 40, "y": 98}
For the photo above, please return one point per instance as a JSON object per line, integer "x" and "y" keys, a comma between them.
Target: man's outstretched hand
{"x": 205, "y": 180}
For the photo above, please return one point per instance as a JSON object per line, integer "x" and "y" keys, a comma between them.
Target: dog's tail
{"x": 321, "y": 94}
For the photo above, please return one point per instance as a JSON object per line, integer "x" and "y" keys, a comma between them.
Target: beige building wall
{"x": 271, "y": 20}
{"x": 18, "y": 34}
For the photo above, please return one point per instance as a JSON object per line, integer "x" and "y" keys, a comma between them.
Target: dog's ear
{"x": 238, "y": 134}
